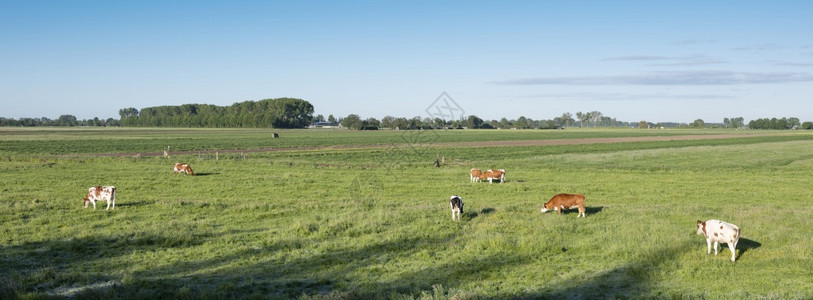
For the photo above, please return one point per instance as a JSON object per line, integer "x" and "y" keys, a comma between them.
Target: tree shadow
{"x": 46, "y": 259}
{"x": 635, "y": 279}
{"x": 745, "y": 245}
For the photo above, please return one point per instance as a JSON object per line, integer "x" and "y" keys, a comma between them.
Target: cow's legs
{"x": 708, "y": 246}
{"x": 733, "y": 251}
{"x": 715, "y": 247}
{"x": 108, "y": 205}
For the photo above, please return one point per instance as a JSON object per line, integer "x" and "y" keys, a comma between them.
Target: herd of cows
{"x": 715, "y": 231}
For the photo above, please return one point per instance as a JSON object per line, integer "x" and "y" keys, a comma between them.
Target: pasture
{"x": 364, "y": 215}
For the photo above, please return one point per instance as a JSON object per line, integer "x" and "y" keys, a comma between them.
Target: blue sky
{"x": 659, "y": 61}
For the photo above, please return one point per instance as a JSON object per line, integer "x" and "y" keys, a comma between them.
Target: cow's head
{"x": 86, "y": 200}
{"x": 701, "y": 227}
{"x": 457, "y": 203}
{"x": 548, "y": 206}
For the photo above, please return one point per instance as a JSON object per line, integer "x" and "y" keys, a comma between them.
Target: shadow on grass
{"x": 285, "y": 269}
{"x": 474, "y": 214}
{"x": 134, "y": 203}
{"x": 635, "y": 279}
{"x": 50, "y": 267}
{"x": 293, "y": 267}
{"x": 745, "y": 245}
{"x": 587, "y": 210}
{"x": 206, "y": 174}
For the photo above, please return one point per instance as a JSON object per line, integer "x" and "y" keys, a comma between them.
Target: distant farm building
{"x": 325, "y": 125}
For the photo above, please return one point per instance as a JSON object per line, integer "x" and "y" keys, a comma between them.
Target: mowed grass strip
{"x": 376, "y": 223}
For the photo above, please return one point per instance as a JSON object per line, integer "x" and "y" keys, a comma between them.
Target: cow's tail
{"x": 737, "y": 239}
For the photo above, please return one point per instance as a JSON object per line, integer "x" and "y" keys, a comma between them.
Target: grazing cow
{"x": 183, "y": 168}
{"x": 457, "y": 206}
{"x": 565, "y": 201}
{"x": 101, "y": 193}
{"x": 719, "y": 232}
{"x": 475, "y": 175}
{"x": 493, "y": 175}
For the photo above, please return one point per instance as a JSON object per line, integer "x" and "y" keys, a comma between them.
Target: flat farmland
{"x": 336, "y": 214}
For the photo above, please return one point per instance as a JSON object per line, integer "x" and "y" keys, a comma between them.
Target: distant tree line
{"x": 589, "y": 119}
{"x": 267, "y": 113}
{"x": 63, "y": 120}
{"x": 298, "y": 113}
{"x": 783, "y": 123}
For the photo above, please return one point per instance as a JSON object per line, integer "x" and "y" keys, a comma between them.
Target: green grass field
{"x": 313, "y": 220}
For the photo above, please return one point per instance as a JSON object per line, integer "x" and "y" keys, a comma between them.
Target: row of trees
{"x": 63, "y": 120}
{"x": 594, "y": 119}
{"x": 589, "y": 119}
{"x": 267, "y": 113}
{"x": 783, "y": 123}
{"x": 298, "y": 113}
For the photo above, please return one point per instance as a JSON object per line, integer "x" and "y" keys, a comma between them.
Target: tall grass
{"x": 375, "y": 223}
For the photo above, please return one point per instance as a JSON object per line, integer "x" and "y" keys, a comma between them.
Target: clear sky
{"x": 659, "y": 61}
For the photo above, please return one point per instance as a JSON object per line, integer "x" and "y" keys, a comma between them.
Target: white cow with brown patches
{"x": 101, "y": 193}
{"x": 719, "y": 232}
{"x": 183, "y": 168}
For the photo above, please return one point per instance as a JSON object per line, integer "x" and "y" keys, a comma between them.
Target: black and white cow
{"x": 457, "y": 206}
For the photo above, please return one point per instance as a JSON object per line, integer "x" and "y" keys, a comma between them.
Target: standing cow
{"x": 475, "y": 175}
{"x": 183, "y": 168}
{"x": 101, "y": 193}
{"x": 560, "y": 202}
{"x": 719, "y": 232}
{"x": 457, "y": 206}
{"x": 492, "y": 175}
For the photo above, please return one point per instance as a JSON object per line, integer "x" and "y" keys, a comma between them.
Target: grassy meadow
{"x": 313, "y": 220}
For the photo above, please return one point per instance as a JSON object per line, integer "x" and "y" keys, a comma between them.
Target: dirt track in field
{"x": 460, "y": 144}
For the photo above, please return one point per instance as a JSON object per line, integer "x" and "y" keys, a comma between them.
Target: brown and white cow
{"x": 719, "y": 232}
{"x": 493, "y": 175}
{"x": 475, "y": 175}
{"x": 457, "y": 206}
{"x": 565, "y": 201}
{"x": 98, "y": 192}
{"x": 183, "y": 168}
